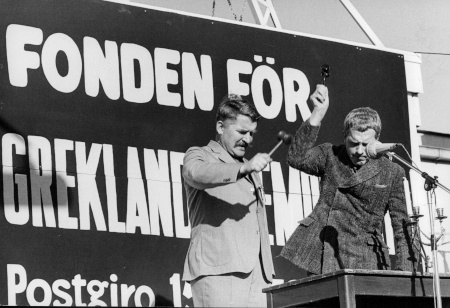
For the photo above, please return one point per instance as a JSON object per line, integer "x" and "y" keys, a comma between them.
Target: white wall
{"x": 442, "y": 170}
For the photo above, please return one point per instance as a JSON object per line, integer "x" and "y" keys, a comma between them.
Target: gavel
{"x": 325, "y": 72}
{"x": 284, "y": 138}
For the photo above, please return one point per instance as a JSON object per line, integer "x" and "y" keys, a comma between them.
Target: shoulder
{"x": 195, "y": 152}
{"x": 198, "y": 149}
{"x": 206, "y": 152}
{"x": 206, "y": 149}
{"x": 325, "y": 146}
{"x": 332, "y": 149}
{"x": 392, "y": 166}
{"x": 329, "y": 150}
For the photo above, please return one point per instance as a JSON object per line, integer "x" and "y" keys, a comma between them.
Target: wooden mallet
{"x": 284, "y": 138}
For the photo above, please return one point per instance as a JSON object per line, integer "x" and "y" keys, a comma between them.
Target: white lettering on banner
{"x": 131, "y": 93}
{"x": 40, "y": 159}
{"x": 261, "y": 74}
{"x": 19, "y": 59}
{"x": 235, "y": 68}
{"x": 287, "y": 213}
{"x": 175, "y": 281}
{"x": 196, "y": 85}
{"x": 99, "y": 67}
{"x": 176, "y": 162}
{"x": 155, "y": 202}
{"x": 111, "y": 196}
{"x": 292, "y": 79}
{"x": 158, "y": 75}
{"x": 63, "y": 182}
{"x": 88, "y": 197}
{"x": 137, "y": 212}
{"x": 166, "y": 76}
{"x": 159, "y": 201}
{"x": 59, "y": 292}
{"x": 54, "y": 44}
{"x": 292, "y": 97}
{"x": 22, "y": 216}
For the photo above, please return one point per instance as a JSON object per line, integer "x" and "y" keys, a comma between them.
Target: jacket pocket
{"x": 216, "y": 246}
{"x": 374, "y": 197}
{"x": 307, "y": 221}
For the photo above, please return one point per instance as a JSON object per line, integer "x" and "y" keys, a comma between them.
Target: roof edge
{"x": 408, "y": 55}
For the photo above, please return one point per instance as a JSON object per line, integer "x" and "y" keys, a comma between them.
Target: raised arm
{"x": 320, "y": 101}
{"x": 301, "y": 153}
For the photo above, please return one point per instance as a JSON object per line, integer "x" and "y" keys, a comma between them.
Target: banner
{"x": 99, "y": 102}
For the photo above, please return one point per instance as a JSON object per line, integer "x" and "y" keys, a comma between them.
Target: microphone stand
{"x": 430, "y": 183}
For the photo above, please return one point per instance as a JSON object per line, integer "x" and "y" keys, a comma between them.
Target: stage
{"x": 360, "y": 288}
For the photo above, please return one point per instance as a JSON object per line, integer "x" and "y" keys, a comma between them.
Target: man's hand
{"x": 257, "y": 163}
{"x": 321, "y": 102}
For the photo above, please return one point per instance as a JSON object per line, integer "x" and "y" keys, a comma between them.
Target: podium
{"x": 350, "y": 288}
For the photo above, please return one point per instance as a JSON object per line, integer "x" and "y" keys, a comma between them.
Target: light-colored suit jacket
{"x": 227, "y": 215}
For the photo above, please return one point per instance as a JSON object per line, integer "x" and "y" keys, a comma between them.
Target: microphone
{"x": 284, "y": 138}
{"x": 376, "y": 149}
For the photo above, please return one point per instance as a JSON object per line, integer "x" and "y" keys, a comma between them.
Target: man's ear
{"x": 219, "y": 127}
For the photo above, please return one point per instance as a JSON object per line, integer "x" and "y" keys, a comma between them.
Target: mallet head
{"x": 287, "y": 139}
{"x": 281, "y": 135}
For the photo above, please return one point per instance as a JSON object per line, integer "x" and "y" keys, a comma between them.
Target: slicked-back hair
{"x": 362, "y": 119}
{"x": 233, "y": 105}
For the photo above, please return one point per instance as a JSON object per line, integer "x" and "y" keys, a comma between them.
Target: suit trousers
{"x": 231, "y": 290}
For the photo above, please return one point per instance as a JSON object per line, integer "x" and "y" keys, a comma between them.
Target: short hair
{"x": 233, "y": 105}
{"x": 362, "y": 119}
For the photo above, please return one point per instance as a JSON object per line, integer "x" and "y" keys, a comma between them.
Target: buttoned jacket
{"x": 345, "y": 229}
{"x": 227, "y": 215}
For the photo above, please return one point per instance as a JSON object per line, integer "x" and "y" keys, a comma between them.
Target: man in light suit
{"x": 229, "y": 260}
{"x": 345, "y": 228}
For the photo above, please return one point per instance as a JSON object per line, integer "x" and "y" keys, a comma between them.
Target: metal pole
{"x": 436, "y": 280}
{"x": 433, "y": 242}
{"x": 423, "y": 174}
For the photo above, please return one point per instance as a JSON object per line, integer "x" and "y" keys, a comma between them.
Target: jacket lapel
{"x": 346, "y": 177}
{"x": 255, "y": 179}
{"x": 220, "y": 152}
{"x": 366, "y": 172}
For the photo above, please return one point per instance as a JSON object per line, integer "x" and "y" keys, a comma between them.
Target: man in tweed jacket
{"x": 345, "y": 228}
{"x": 229, "y": 260}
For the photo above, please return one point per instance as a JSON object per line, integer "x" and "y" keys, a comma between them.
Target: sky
{"x": 420, "y": 26}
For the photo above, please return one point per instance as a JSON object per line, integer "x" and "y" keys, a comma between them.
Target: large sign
{"x": 98, "y": 103}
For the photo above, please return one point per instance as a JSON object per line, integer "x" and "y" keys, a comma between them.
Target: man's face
{"x": 356, "y": 143}
{"x": 236, "y": 135}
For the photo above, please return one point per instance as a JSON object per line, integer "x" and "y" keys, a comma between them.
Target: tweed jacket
{"x": 227, "y": 215}
{"x": 345, "y": 228}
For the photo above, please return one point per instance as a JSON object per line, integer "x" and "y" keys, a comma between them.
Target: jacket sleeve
{"x": 202, "y": 173}
{"x": 406, "y": 253}
{"x": 302, "y": 155}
